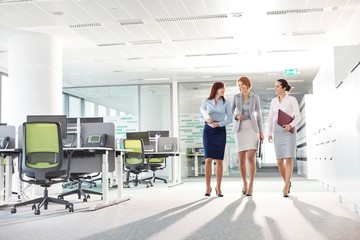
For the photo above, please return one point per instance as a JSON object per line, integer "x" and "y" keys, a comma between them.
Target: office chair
{"x": 155, "y": 165}
{"x": 134, "y": 161}
{"x": 42, "y": 162}
{"x": 78, "y": 179}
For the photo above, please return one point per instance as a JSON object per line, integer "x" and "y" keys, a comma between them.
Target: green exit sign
{"x": 291, "y": 72}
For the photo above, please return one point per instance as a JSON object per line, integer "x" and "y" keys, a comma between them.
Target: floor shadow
{"x": 227, "y": 225}
{"x": 329, "y": 225}
{"x": 149, "y": 226}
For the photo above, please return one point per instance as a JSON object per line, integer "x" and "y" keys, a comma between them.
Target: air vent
{"x": 85, "y": 25}
{"x": 16, "y": 1}
{"x": 203, "y": 39}
{"x": 210, "y": 54}
{"x": 130, "y": 22}
{"x": 135, "y": 58}
{"x": 294, "y": 11}
{"x": 189, "y": 18}
{"x": 305, "y": 33}
{"x": 143, "y": 42}
{"x": 204, "y": 67}
{"x": 110, "y": 44}
{"x": 287, "y": 50}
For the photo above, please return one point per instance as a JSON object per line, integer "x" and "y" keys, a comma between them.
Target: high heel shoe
{"x": 218, "y": 194}
{"x": 286, "y": 191}
{"x": 249, "y": 193}
{"x": 244, "y": 191}
{"x": 289, "y": 187}
{"x": 208, "y": 193}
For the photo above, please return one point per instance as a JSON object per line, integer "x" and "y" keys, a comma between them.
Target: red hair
{"x": 246, "y": 81}
{"x": 215, "y": 87}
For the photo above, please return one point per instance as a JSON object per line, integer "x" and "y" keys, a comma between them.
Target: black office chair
{"x": 134, "y": 162}
{"x": 78, "y": 179}
{"x": 155, "y": 165}
{"x": 42, "y": 162}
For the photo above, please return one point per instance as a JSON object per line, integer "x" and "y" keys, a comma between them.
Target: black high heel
{"x": 286, "y": 195}
{"x": 289, "y": 187}
{"x": 218, "y": 194}
{"x": 208, "y": 194}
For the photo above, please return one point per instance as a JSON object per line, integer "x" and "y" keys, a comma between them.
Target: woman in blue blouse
{"x": 214, "y": 134}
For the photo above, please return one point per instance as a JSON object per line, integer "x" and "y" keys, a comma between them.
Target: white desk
{"x": 176, "y": 166}
{"x": 8, "y": 169}
{"x": 105, "y": 174}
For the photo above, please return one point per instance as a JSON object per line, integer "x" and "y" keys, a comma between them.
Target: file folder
{"x": 284, "y": 119}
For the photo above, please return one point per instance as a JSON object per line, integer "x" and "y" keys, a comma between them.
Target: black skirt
{"x": 214, "y": 140}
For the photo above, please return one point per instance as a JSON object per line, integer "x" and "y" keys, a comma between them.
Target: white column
{"x": 35, "y": 77}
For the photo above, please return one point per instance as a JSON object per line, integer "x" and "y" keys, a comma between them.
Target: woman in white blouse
{"x": 284, "y": 140}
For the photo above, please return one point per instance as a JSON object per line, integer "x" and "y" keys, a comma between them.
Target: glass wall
{"x": 131, "y": 108}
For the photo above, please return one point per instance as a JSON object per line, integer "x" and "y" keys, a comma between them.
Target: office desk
{"x": 176, "y": 166}
{"x": 8, "y": 169}
{"x": 105, "y": 173}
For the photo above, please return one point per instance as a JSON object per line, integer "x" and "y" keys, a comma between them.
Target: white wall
{"x": 333, "y": 131}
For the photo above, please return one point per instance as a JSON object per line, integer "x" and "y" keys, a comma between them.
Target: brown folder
{"x": 284, "y": 118}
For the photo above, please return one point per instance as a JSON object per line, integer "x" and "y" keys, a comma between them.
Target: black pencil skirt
{"x": 214, "y": 140}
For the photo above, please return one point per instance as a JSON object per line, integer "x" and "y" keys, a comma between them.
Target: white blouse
{"x": 289, "y": 105}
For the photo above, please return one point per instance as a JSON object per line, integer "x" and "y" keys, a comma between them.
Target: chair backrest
{"x": 135, "y": 155}
{"x": 167, "y": 144}
{"x": 42, "y": 151}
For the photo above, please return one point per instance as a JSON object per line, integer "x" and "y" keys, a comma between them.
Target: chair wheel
{"x": 13, "y": 210}
{"x": 33, "y": 207}
{"x": 37, "y": 212}
{"x": 84, "y": 200}
{"x": 71, "y": 209}
{"x": 165, "y": 181}
{"x": 94, "y": 184}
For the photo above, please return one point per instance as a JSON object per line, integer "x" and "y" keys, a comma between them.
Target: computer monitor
{"x": 139, "y": 135}
{"x": 86, "y": 120}
{"x": 51, "y": 118}
{"x": 161, "y": 133}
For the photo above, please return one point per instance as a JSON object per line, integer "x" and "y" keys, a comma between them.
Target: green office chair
{"x": 134, "y": 161}
{"x": 155, "y": 165}
{"x": 42, "y": 162}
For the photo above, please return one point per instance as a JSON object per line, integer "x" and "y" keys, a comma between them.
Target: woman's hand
{"x": 214, "y": 125}
{"x": 240, "y": 117}
{"x": 287, "y": 127}
{"x": 209, "y": 120}
{"x": 261, "y": 137}
{"x": 270, "y": 139}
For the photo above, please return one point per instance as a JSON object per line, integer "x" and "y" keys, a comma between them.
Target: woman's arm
{"x": 229, "y": 115}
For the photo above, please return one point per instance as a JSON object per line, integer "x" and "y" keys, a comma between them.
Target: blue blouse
{"x": 220, "y": 112}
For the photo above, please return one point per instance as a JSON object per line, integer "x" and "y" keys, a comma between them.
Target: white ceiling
{"x": 186, "y": 40}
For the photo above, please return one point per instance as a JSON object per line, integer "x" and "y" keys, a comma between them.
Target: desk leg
{"x": 105, "y": 186}
{"x": 196, "y": 165}
{"x": 2, "y": 187}
{"x": 105, "y": 177}
{"x": 176, "y": 171}
{"x": 8, "y": 180}
{"x": 119, "y": 176}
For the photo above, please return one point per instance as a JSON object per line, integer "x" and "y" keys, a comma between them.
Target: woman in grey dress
{"x": 248, "y": 129}
{"x": 284, "y": 140}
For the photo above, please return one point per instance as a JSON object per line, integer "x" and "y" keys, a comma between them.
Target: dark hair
{"x": 215, "y": 87}
{"x": 284, "y": 84}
